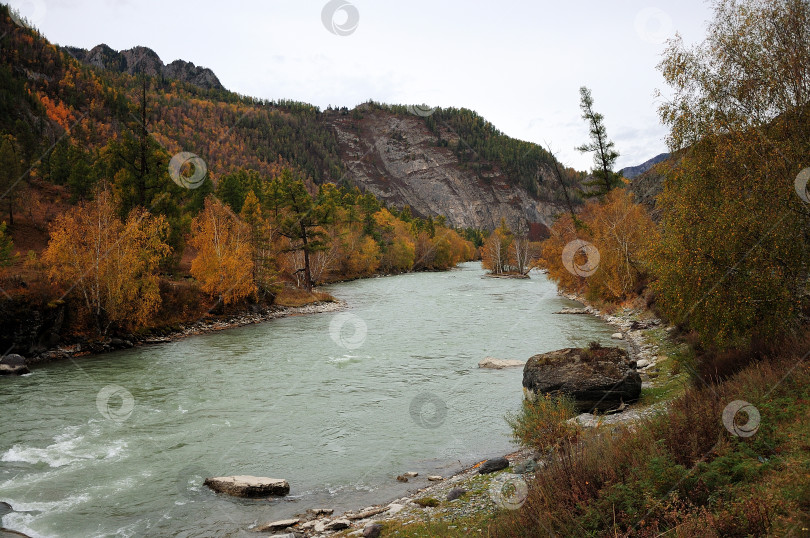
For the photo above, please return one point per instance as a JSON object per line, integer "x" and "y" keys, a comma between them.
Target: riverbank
{"x": 202, "y": 326}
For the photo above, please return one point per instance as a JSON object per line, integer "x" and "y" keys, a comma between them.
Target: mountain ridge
{"x": 140, "y": 59}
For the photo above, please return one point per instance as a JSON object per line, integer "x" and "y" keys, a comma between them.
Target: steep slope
{"x": 397, "y": 158}
{"x": 144, "y": 60}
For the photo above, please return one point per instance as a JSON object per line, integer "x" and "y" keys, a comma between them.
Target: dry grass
{"x": 294, "y": 297}
{"x": 682, "y": 473}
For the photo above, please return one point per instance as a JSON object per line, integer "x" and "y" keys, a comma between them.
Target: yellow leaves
{"x": 224, "y": 263}
{"x": 110, "y": 264}
{"x": 622, "y": 232}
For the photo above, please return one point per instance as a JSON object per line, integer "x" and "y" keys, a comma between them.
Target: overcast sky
{"x": 517, "y": 63}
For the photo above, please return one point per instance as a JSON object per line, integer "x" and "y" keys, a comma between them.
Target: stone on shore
{"x": 598, "y": 378}
{"x": 249, "y": 486}
{"x": 13, "y": 364}
{"x": 276, "y": 525}
{"x": 338, "y": 525}
{"x": 577, "y": 311}
{"x": 372, "y": 530}
{"x": 528, "y": 466}
{"x": 498, "y": 364}
{"x": 495, "y": 464}
{"x": 455, "y": 493}
{"x": 435, "y": 478}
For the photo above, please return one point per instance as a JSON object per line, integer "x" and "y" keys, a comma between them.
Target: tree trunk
{"x": 307, "y": 272}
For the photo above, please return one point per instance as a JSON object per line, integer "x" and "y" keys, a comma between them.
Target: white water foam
{"x": 68, "y": 447}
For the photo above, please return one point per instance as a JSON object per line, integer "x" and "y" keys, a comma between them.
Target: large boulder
{"x": 249, "y": 486}
{"x": 13, "y": 364}
{"x": 492, "y": 465}
{"x": 597, "y": 378}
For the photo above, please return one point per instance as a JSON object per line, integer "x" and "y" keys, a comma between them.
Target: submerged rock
{"x": 599, "y": 378}
{"x": 497, "y": 364}
{"x": 248, "y": 486}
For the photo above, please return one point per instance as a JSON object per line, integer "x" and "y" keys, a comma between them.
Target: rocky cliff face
{"x": 396, "y": 158}
{"x": 145, "y": 60}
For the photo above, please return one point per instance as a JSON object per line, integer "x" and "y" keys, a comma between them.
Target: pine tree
{"x": 604, "y": 154}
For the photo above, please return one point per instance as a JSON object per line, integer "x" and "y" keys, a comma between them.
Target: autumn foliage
{"x": 224, "y": 263}
{"x": 109, "y": 263}
{"x": 622, "y": 233}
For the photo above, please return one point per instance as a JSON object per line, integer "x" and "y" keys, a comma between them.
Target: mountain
{"x": 144, "y": 60}
{"x": 400, "y": 159}
{"x": 631, "y": 172}
{"x": 448, "y": 162}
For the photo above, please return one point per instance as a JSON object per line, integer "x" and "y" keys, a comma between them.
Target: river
{"x": 336, "y": 403}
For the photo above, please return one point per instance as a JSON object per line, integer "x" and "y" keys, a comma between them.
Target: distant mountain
{"x": 631, "y": 172}
{"x": 144, "y": 60}
{"x": 449, "y": 161}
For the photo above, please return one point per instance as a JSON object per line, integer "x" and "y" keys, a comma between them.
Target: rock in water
{"x": 495, "y": 464}
{"x": 13, "y": 364}
{"x": 249, "y": 486}
{"x": 598, "y": 378}
{"x": 497, "y": 364}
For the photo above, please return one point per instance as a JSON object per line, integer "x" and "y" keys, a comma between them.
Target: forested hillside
{"x": 135, "y": 201}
